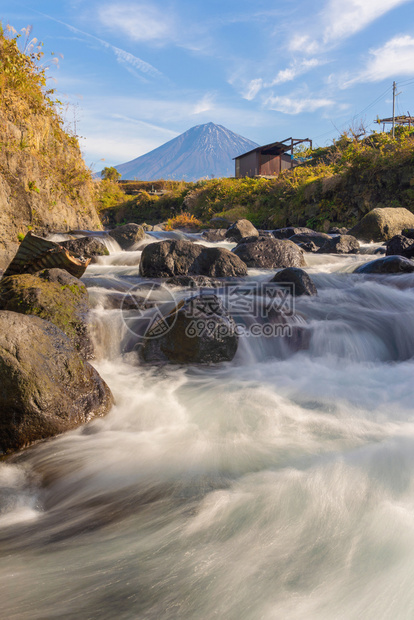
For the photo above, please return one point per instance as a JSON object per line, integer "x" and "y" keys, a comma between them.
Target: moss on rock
{"x": 53, "y": 295}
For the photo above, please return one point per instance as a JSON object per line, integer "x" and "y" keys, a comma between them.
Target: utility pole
{"x": 394, "y": 89}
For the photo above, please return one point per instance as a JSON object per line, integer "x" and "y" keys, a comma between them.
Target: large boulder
{"x": 198, "y": 331}
{"x": 382, "y": 224}
{"x": 128, "y": 235}
{"x": 401, "y": 246}
{"x": 341, "y": 244}
{"x": 301, "y": 281}
{"x": 241, "y": 229}
{"x": 46, "y": 387}
{"x": 86, "y": 247}
{"x": 389, "y": 264}
{"x": 317, "y": 238}
{"x": 169, "y": 258}
{"x": 53, "y": 295}
{"x": 268, "y": 253}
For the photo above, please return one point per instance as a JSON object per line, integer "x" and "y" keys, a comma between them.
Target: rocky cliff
{"x": 44, "y": 182}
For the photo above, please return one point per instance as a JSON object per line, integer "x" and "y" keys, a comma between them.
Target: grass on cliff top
{"x": 23, "y": 81}
{"x": 337, "y": 186}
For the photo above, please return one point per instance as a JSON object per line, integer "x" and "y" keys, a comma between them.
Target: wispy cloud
{"x": 339, "y": 20}
{"x": 395, "y": 58}
{"x": 296, "y": 105}
{"x": 252, "y": 89}
{"x": 205, "y": 104}
{"x": 295, "y": 69}
{"x": 122, "y": 56}
{"x": 138, "y": 21}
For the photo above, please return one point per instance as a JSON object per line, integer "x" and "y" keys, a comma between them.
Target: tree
{"x": 110, "y": 174}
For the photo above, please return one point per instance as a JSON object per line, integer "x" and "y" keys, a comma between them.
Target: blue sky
{"x": 136, "y": 74}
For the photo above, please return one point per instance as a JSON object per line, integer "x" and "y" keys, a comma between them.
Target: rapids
{"x": 277, "y": 486}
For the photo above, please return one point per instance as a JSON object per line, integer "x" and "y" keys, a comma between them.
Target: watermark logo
{"x": 258, "y": 309}
{"x": 148, "y": 309}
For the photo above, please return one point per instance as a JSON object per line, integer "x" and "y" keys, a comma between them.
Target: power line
{"x": 358, "y": 113}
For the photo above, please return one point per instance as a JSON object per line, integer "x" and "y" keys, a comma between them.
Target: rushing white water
{"x": 280, "y": 485}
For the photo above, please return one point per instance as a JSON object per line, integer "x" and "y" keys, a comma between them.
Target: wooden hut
{"x": 268, "y": 160}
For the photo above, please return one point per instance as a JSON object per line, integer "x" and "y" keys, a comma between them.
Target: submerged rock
{"x": 382, "y": 224}
{"x": 342, "y": 244}
{"x": 389, "y": 264}
{"x": 46, "y": 387}
{"x": 53, "y": 295}
{"x": 268, "y": 253}
{"x": 198, "y": 331}
{"x": 194, "y": 281}
{"x": 167, "y": 259}
{"x": 241, "y": 229}
{"x": 302, "y": 282}
{"x": 128, "y": 235}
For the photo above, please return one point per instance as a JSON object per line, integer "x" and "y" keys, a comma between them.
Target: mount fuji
{"x": 204, "y": 151}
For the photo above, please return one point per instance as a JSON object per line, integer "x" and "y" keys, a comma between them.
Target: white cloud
{"x": 122, "y": 56}
{"x": 205, "y": 104}
{"x": 339, "y": 20}
{"x": 140, "y": 22}
{"x": 295, "y": 105}
{"x": 253, "y": 87}
{"x": 295, "y": 69}
{"x": 394, "y": 58}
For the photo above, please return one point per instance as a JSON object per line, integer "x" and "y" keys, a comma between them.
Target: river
{"x": 277, "y": 486}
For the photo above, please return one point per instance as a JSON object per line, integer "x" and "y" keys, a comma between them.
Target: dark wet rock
{"x": 382, "y": 224}
{"x": 219, "y": 222}
{"x": 309, "y": 246}
{"x": 194, "y": 281}
{"x": 337, "y": 231}
{"x": 53, "y": 295}
{"x": 301, "y": 281}
{"x": 268, "y": 253}
{"x": 289, "y": 231}
{"x": 86, "y": 247}
{"x": 408, "y": 232}
{"x": 128, "y": 235}
{"x": 341, "y": 244}
{"x": 317, "y": 238}
{"x": 400, "y": 245}
{"x": 241, "y": 229}
{"x": 198, "y": 331}
{"x": 389, "y": 264}
{"x": 214, "y": 234}
{"x": 170, "y": 258}
{"x": 46, "y": 387}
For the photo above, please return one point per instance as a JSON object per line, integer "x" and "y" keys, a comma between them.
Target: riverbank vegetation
{"x": 336, "y": 187}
